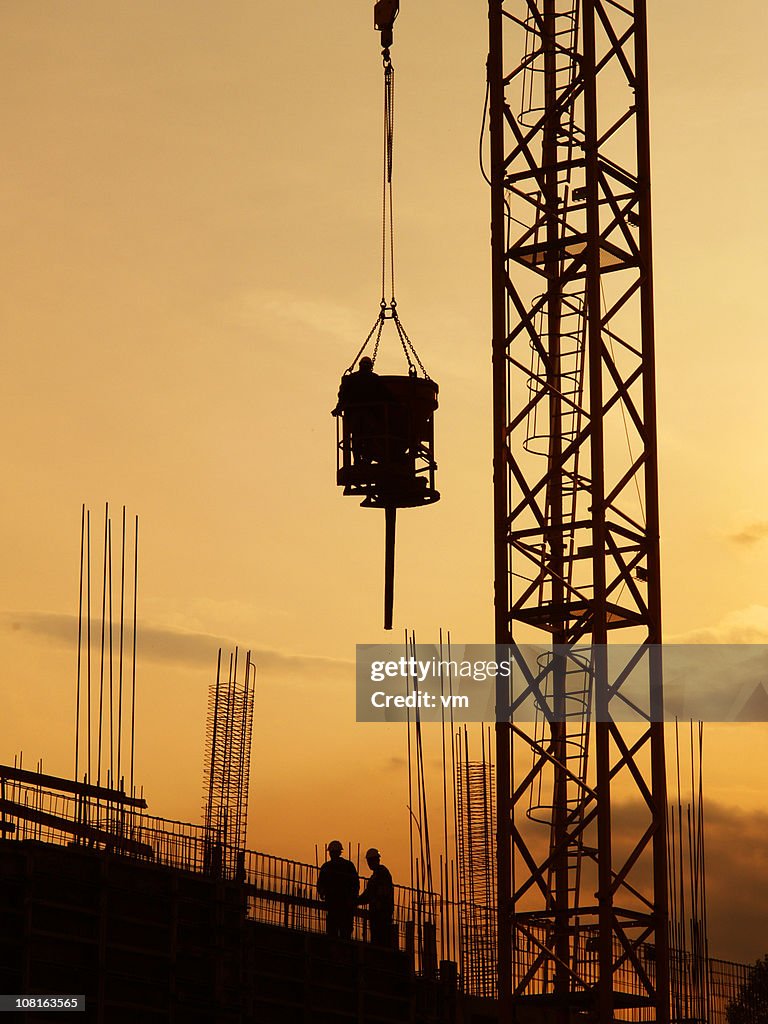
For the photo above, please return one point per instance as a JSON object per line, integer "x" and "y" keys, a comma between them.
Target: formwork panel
{"x": 266, "y": 988}
{"x": 135, "y": 1014}
{"x": 329, "y": 974}
{"x": 133, "y": 934}
{"x": 269, "y": 937}
{"x": 69, "y": 953}
{"x": 78, "y": 892}
{"x": 146, "y": 992}
{"x": 46, "y": 978}
{"x": 279, "y": 965}
{"x": 383, "y": 1008}
{"x": 278, "y": 1013}
{"x": 387, "y": 982}
{"x": 64, "y": 921}
{"x": 149, "y": 907}
{"x": 339, "y": 1000}
{"x": 333, "y": 1017}
{"x": 135, "y": 962}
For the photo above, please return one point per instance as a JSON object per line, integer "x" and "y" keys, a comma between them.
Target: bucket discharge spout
{"x": 389, "y": 565}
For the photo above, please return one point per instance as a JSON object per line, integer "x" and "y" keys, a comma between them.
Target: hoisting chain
{"x": 388, "y": 309}
{"x": 387, "y": 215}
{"x": 407, "y": 344}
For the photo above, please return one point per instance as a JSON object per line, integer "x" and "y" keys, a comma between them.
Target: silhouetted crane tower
{"x": 583, "y": 914}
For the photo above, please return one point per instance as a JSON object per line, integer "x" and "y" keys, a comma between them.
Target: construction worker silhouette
{"x": 362, "y": 398}
{"x": 379, "y": 895}
{"x": 360, "y": 387}
{"x": 338, "y": 885}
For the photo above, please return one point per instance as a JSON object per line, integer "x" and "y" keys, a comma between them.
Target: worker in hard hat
{"x": 338, "y": 885}
{"x": 364, "y": 400}
{"x": 379, "y": 896}
{"x": 360, "y": 388}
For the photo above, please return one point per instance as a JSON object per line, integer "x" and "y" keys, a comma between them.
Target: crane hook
{"x": 384, "y": 14}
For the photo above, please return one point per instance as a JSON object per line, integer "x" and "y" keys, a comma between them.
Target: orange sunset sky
{"x": 191, "y": 217}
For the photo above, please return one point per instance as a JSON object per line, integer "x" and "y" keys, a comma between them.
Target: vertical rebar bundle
{"x": 690, "y": 981}
{"x": 421, "y": 854}
{"x": 105, "y": 701}
{"x": 227, "y": 765}
{"x": 475, "y": 783}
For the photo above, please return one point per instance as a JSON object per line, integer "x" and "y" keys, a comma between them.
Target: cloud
{"x": 320, "y": 315}
{"x": 736, "y": 849}
{"x": 736, "y": 855}
{"x": 163, "y": 644}
{"x": 742, "y": 626}
{"x": 752, "y": 533}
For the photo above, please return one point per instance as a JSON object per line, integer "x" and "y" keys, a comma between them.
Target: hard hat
{"x": 372, "y": 853}
{"x": 367, "y": 360}
{"x": 334, "y": 845}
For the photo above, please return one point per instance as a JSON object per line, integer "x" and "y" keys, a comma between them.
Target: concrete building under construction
{"x": 132, "y": 912}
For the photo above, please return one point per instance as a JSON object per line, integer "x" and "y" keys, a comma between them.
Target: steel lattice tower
{"x": 582, "y": 903}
